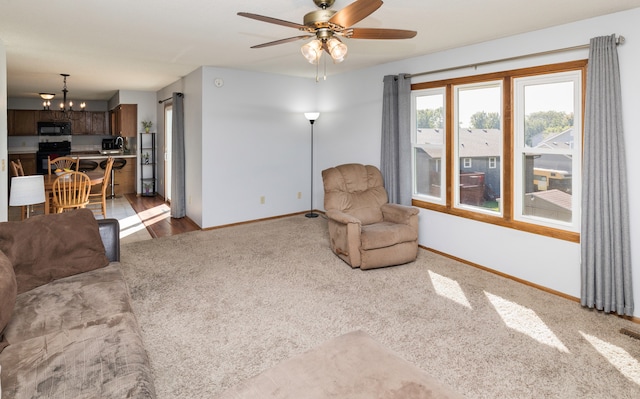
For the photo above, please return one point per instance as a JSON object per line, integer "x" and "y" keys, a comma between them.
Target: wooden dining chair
{"x": 16, "y": 167}
{"x": 17, "y": 171}
{"x": 71, "y": 191}
{"x": 63, "y": 163}
{"x": 100, "y": 198}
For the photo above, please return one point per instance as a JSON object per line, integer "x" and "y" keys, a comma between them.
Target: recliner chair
{"x": 364, "y": 229}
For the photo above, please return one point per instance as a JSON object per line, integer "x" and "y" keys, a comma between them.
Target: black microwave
{"x": 54, "y": 128}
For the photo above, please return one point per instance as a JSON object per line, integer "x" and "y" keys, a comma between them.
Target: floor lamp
{"x": 311, "y": 116}
{"x": 27, "y": 191}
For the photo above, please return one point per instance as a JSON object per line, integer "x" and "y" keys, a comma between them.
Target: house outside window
{"x": 507, "y": 152}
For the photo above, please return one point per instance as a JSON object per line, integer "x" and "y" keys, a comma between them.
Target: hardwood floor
{"x": 155, "y": 214}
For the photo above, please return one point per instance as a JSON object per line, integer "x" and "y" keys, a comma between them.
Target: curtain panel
{"x": 605, "y": 240}
{"x": 178, "y": 202}
{"x": 395, "y": 158}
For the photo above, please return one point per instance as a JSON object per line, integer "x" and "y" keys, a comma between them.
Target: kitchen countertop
{"x": 79, "y": 154}
{"x": 97, "y": 155}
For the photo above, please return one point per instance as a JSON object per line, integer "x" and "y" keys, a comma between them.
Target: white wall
{"x": 255, "y": 143}
{"x": 195, "y": 156}
{"x": 355, "y": 102}
{"x": 4, "y": 157}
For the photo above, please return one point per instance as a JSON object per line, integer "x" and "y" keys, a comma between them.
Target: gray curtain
{"x": 605, "y": 241}
{"x": 395, "y": 160}
{"x": 178, "y": 203}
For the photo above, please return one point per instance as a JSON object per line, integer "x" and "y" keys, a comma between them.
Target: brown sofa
{"x": 68, "y": 330}
{"x": 364, "y": 229}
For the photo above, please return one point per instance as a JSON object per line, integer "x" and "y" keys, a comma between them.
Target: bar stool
{"x": 86, "y": 165}
{"x": 118, "y": 163}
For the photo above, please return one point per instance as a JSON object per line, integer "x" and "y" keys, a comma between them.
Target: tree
{"x": 430, "y": 118}
{"x": 484, "y": 120}
{"x": 545, "y": 123}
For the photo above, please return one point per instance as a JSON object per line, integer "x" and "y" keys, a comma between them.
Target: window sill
{"x": 501, "y": 221}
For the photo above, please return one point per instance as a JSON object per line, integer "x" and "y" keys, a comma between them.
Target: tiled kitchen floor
{"x": 131, "y": 226}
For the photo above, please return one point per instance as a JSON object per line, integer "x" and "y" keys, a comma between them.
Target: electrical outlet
{"x": 299, "y": 195}
{"x": 262, "y": 200}
{"x": 189, "y": 201}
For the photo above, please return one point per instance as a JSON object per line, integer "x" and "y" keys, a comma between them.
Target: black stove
{"x": 53, "y": 149}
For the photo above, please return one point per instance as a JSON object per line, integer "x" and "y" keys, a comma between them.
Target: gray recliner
{"x": 364, "y": 229}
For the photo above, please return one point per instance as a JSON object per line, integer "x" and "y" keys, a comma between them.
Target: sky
{"x": 541, "y": 97}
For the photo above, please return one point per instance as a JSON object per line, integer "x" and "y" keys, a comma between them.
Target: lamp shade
{"x": 312, "y": 116}
{"x": 27, "y": 190}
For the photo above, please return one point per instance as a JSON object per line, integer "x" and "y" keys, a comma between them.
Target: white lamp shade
{"x": 312, "y": 116}
{"x": 27, "y": 190}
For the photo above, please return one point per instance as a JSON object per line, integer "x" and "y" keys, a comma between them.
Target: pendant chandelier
{"x": 66, "y": 108}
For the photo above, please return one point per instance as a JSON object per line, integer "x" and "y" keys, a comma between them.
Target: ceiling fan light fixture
{"x": 312, "y": 51}
{"x": 337, "y": 50}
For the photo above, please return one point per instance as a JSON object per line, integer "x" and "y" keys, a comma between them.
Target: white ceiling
{"x": 148, "y": 44}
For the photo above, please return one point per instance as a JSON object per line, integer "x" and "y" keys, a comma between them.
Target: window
{"x": 478, "y": 136}
{"x": 428, "y": 150}
{"x": 546, "y": 150}
{"x": 507, "y": 152}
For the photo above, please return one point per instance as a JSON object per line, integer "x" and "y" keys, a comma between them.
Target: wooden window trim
{"x": 506, "y": 219}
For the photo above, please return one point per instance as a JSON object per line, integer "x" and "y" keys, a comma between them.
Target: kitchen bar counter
{"x": 96, "y": 155}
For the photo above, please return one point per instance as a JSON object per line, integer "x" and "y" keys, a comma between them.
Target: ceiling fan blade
{"x": 355, "y": 12}
{"x": 272, "y": 20}
{"x": 282, "y": 41}
{"x": 375, "y": 33}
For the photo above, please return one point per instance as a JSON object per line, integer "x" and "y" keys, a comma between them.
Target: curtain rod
{"x": 167, "y": 99}
{"x": 619, "y": 40}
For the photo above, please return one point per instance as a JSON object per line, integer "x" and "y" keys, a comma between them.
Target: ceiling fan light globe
{"x": 337, "y": 49}
{"x": 312, "y": 51}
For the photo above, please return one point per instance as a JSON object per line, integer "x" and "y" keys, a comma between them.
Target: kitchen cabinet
{"x": 28, "y": 163}
{"x": 124, "y": 120}
{"x": 99, "y": 123}
{"x": 21, "y": 122}
{"x": 125, "y": 178}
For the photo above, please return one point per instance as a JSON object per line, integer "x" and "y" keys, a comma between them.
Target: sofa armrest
{"x": 398, "y": 213}
{"x": 110, "y": 234}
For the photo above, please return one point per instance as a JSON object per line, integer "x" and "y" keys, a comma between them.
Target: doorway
{"x": 168, "y": 133}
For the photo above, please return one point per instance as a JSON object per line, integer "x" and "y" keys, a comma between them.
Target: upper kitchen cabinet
{"x": 124, "y": 120}
{"x": 83, "y": 122}
{"x": 21, "y": 122}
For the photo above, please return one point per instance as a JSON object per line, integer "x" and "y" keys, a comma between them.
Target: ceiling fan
{"x": 325, "y": 26}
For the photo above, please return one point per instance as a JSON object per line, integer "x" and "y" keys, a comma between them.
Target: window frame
{"x": 506, "y": 219}
{"x": 441, "y": 164}
{"x": 520, "y": 149}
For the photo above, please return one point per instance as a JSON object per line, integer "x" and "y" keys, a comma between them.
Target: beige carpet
{"x": 218, "y": 307}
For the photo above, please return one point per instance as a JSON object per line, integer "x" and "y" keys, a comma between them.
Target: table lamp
{"x": 26, "y": 191}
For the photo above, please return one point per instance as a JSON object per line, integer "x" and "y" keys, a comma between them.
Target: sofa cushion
{"x": 8, "y": 290}
{"x": 381, "y": 235}
{"x": 68, "y": 302}
{"x": 352, "y": 366}
{"x": 48, "y": 247}
{"x": 105, "y": 360}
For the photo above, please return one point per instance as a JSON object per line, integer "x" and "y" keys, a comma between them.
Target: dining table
{"x": 95, "y": 176}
